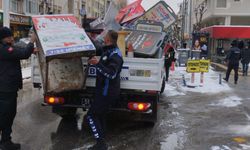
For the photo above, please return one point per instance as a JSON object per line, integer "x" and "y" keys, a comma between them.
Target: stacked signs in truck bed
{"x": 63, "y": 42}
{"x": 146, "y": 39}
{"x": 61, "y": 34}
{"x": 148, "y": 36}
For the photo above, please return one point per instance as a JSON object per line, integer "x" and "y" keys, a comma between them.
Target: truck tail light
{"x": 54, "y": 100}
{"x": 139, "y": 106}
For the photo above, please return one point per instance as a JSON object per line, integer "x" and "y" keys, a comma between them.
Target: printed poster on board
{"x": 61, "y": 34}
{"x": 161, "y": 12}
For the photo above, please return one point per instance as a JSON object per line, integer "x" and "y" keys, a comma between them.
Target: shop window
{"x": 221, "y": 4}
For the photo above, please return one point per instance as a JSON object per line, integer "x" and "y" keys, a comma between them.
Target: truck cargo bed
{"x": 137, "y": 73}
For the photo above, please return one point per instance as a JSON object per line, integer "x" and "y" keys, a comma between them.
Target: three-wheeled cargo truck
{"x": 69, "y": 82}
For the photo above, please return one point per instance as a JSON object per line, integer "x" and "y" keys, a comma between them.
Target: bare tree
{"x": 199, "y": 12}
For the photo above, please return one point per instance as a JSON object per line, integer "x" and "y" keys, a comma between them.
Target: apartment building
{"x": 225, "y": 20}
{"x": 224, "y": 12}
{"x": 20, "y": 11}
{"x": 98, "y": 8}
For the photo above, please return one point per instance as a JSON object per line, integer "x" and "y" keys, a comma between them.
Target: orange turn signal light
{"x": 54, "y": 100}
{"x": 137, "y": 106}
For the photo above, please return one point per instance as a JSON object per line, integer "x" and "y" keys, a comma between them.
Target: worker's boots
{"x": 9, "y": 145}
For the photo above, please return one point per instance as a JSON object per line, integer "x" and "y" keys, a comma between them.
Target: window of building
{"x": 31, "y": 7}
{"x": 1, "y": 7}
{"x": 13, "y": 5}
{"x": 221, "y": 4}
{"x": 237, "y": 0}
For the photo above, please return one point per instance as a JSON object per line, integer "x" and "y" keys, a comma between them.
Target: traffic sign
{"x": 193, "y": 66}
{"x": 204, "y": 65}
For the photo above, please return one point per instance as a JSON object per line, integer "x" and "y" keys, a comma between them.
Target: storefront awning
{"x": 228, "y": 32}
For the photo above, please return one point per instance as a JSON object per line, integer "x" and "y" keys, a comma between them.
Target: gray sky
{"x": 148, "y": 3}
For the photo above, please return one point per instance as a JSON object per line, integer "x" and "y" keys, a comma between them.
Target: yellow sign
{"x": 193, "y": 66}
{"x": 204, "y": 65}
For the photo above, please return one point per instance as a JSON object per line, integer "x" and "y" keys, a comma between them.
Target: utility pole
{"x": 183, "y": 19}
{"x": 6, "y": 13}
{"x": 190, "y": 21}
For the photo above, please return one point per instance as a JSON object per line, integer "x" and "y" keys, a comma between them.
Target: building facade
{"x": 215, "y": 16}
{"x": 98, "y": 8}
{"x": 20, "y": 12}
{"x": 224, "y": 12}
{"x": 185, "y": 22}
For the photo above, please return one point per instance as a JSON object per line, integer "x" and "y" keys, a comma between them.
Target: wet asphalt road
{"x": 185, "y": 122}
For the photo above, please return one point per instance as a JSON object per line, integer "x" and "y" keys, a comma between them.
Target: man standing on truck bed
{"x": 10, "y": 83}
{"x": 107, "y": 87}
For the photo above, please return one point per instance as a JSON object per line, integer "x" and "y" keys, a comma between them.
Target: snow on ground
{"x": 173, "y": 141}
{"x": 223, "y": 147}
{"x": 171, "y": 90}
{"x": 26, "y": 72}
{"x": 210, "y": 85}
{"x": 231, "y": 101}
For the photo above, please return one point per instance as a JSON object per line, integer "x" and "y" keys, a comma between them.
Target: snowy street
{"x": 209, "y": 117}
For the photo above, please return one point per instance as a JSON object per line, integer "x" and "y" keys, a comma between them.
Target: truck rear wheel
{"x": 64, "y": 112}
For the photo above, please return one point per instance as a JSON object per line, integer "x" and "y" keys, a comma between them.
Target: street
{"x": 212, "y": 117}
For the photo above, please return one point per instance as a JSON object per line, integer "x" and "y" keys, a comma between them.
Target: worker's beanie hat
{"x": 5, "y": 32}
{"x": 234, "y": 43}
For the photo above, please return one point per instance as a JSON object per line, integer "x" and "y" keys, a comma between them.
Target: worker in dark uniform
{"x": 169, "y": 59}
{"x": 107, "y": 87}
{"x": 232, "y": 59}
{"x": 10, "y": 83}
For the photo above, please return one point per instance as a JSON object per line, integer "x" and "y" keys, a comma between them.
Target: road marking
{"x": 240, "y": 140}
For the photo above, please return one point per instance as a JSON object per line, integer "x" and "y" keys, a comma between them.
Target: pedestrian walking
{"x": 232, "y": 60}
{"x": 10, "y": 83}
{"x": 245, "y": 54}
{"x": 107, "y": 87}
{"x": 169, "y": 59}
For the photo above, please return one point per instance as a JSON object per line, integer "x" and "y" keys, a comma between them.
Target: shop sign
{"x": 204, "y": 65}
{"x": 17, "y": 19}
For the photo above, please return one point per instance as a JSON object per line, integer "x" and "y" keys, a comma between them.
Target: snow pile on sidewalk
{"x": 26, "y": 72}
{"x": 210, "y": 85}
{"x": 170, "y": 90}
